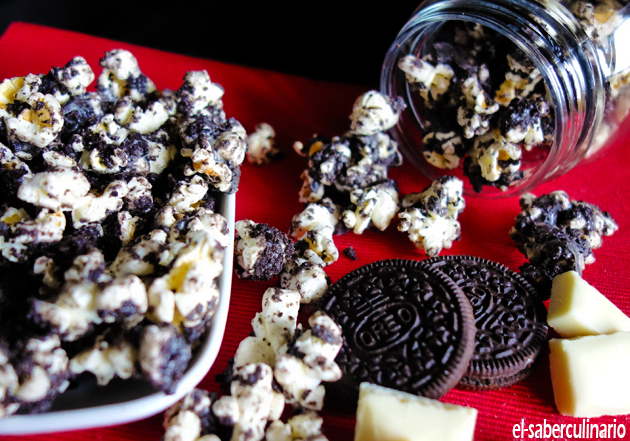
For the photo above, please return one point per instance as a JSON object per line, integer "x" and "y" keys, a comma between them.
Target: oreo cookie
{"x": 509, "y": 316}
{"x": 406, "y": 326}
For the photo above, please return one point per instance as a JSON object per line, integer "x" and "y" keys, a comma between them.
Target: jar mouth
{"x": 552, "y": 40}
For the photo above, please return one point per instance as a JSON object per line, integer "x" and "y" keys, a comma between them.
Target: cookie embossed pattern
{"x": 406, "y": 326}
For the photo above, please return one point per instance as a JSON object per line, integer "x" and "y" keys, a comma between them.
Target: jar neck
{"x": 552, "y": 38}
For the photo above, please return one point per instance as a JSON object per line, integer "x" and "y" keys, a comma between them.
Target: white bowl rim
{"x": 144, "y": 407}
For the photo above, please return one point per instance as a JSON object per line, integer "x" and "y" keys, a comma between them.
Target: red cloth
{"x": 297, "y": 108}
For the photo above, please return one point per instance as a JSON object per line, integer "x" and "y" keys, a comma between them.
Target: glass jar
{"x": 582, "y": 53}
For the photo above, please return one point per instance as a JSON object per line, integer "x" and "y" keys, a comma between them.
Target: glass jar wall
{"x": 509, "y": 94}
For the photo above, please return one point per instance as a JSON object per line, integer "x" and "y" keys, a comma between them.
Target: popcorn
{"x": 260, "y": 251}
{"x": 74, "y": 312}
{"x": 302, "y": 427}
{"x": 42, "y": 368}
{"x": 131, "y": 284}
{"x": 140, "y": 120}
{"x": 374, "y": 205}
{"x": 430, "y": 217}
{"x": 261, "y": 147}
{"x": 122, "y": 77}
{"x": 75, "y": 76}
{"x": 309, "y": 360}
{"x": 373, "y": 112}
{"x": 273, "y": 328}
{"x": 252, "y": 403}
{"x": 188, "y": 295}
{"x": 443, "y": 149}
{"x": 93, "y": 208}
{"x": 307, "y": 278}
{"x": 316, "y": 215}
{"x": 58, "y": 189}
{"x": 106, "y": 360}
{"x": 191, "y": 418}
{"x": 557, "y": 235}
{"x": 38, "y": 123}
{"x": 163, "y": 356}
{"x": 197, "y": 94}
{"x": 215, "y": 150}
{"x": 428, "y": 79}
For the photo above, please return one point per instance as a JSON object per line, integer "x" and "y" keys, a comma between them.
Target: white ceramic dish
{"x": 89, "y": 406}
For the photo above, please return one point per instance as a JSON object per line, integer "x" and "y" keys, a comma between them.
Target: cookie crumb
{"x": 350, "y": 253}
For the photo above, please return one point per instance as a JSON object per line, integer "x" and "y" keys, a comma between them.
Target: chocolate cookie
{"x": 406, "y": 326}
{"x": 510, "y": 319}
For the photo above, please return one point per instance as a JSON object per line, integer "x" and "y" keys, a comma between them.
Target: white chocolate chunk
{"x": 577, "y": 309}
{"x": 385, "y": 414}
{"x": 590, "y": 375}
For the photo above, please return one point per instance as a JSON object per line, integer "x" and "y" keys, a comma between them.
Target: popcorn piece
{"x": 521, "y": 122}
{"x": 317, "y": 246}
{"x": 140, "y": 258}
{"x": 302, "y": 427}
{"x": 138, "y": 119}
{"x": 315, "y": 216}
{"x": 443, "y": 150}
{"x": 74, "y": 312}
{"x": 38, "y": 123}
{"x": 42, "y": 367}
{"x": 163, "y": 357}
{"x": 124, "y": 299}
{"x": 430, "y": 217}
{"x": 557, "y": 235}
{"x": 58, "y": 189}
{"x": 373, "y": 112}
{"x": 13, "y": 172}
{"x": 121, "y": 77}
{"x": 251, "y": 404}
{"x": 187, "y": 296}
{"x": 475, "y": 115}
{"x": 273, "y": 328}
{"x": 428, "y": 79}
{"x": 309, "y": 361}
{"x": 260, "y": 251}
{"x": 197, "y": 94}
{"x": 215, "y": 150}
{"x": 374, "y": 205}
{"x": 9, "y": 382}
{"x": 22, "y": 234}
{"x": 106, "y": 359}
{"x": 76, "y": 76}
{"x": 307, "y": 278}
{"x": 191, "y": 419}
{"x": 95, "y": 208}
{"x": 261, "y": 147}
{"x": 493, "y": 161}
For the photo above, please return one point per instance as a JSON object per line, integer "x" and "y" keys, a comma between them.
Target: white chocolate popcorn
{"x": 372, "y": 113}
{"x": 301, "y": 378}
{"x": 374, "y": 205}
{"x": 434, "y": 80}
{"x": 106, "y": 360}
{"x": 261, "y": 145}
{"x": 430, "y": 217}
{"x": 40, "y": 124}
{"x": 76, "y": 76}
{"x": 252, "y": 403}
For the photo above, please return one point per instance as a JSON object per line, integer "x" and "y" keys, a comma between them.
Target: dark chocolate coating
{"x": 406, "y": 326}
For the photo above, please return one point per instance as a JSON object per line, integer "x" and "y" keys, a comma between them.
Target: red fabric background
{"x": 297, "y": 108}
